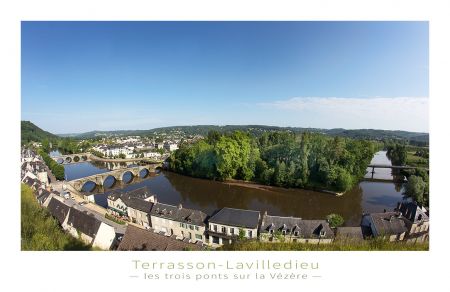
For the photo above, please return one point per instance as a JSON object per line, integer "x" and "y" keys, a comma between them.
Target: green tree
{"x": 415, "y": 188}
{"x": 39, "y": 230}
{"x": 241, "y": 235}
{"x": 335, "y": 220}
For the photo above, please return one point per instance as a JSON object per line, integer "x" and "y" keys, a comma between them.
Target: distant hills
{"x": 31, "y": 132}
{"x": 373, "y": 134}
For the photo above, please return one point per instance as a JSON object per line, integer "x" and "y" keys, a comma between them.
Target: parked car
{"x": 66, "y": 195}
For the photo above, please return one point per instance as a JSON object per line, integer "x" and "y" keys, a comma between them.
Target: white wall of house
{"x": 105, "y": 237}
{"x": 180, "y": 229}
{"x": 230, "y": 231}
{"x": 139, "y": 217}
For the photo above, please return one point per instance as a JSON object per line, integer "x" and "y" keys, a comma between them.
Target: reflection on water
{"x": 209, "y": 196}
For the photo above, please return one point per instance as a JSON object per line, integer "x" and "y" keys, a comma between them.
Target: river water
{"x": 208, "y": 196}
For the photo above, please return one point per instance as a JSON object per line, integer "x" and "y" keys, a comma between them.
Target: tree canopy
{"x": 307, "y": 160}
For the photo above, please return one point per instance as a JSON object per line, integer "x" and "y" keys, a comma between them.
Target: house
{"x": 136, "y": 239}
{"x": 291, "y": 229}
{"x": 59, "y": 210}
{"x": 43, "y": 177}
{"x": 42, "y": 196}
{"x": 388, "y": 225}
{"x": 349, "y": 233}
{"x": 182, "y": 222}
{"x": 228, "y": 224}
{"x": 170, "y": 146}
{"x": 89, "y": 229}
{"x": 29, "y": 180}
{"x": 416, "y": 221}
{"x": 135, "y": 205}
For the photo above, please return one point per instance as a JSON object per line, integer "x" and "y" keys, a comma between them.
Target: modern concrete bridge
{"x": 72, "y": 158}
{"x": 117, "y": 175}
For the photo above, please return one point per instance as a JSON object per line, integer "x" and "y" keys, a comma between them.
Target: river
{"x": 208, "y": 196}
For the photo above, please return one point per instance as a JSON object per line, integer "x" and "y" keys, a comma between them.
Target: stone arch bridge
{"x": 72, "y": 158}
{"x": 118, "y": 175}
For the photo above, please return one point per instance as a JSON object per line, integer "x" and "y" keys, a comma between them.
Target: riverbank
{"x": 254, "y": 185}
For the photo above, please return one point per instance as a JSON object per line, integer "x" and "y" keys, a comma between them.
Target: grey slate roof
{"x": 43, "y": 196}
{"x": 412, "y": 212}
{"x": 236, "y": 217}
{"x": 305, "y": 228}
{"x": 83, "y": 222}
{"x": 134, "y": 199}
{"x": 30, "y": 181}
{"x": 352, "y": 233}
{"x": 388, "y": 223}
{"x": 136, "y": 238}
{"x": 138, "y": 204}
{"x": 178, "y": 213}
{"x": 58, "y": 209}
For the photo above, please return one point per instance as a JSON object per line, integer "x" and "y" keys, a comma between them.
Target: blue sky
{"x": 83, "y": 76}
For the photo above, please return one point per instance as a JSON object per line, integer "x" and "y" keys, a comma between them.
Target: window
{"x": 250, "y": 233}
{"x": 196, "y": 228}
{"x": 322, "y": 232}
{"x": 224, "y": 229}
{"x": 271, "y": 231}
{"x": 215, "y": 240}
{"x": 198, "y": 237}
{"x": 215, "y": 228}
{"x": 232, "y": 230}
{"x": 283, "y": 232}
{"x": 296, "y": 233}
{"x": 181, "y": 224}
{"x": 191, "y": 227}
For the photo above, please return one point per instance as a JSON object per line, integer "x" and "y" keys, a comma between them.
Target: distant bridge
{"x": 373, "y": 166}
{"x": 117, "y": 175}
{"x": 72, "y": 158}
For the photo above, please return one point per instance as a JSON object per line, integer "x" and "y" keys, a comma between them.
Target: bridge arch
{"x": 126, "y": 179}
{"x": 83, "y": 157}
{"x": 76, "y": 158}
{"x": 109, "y": 181}
{"x": 60, "y": 160}
{"x": 88, "y": 186}
{"x": 144, "y": 172}
{"x": 68, "y": 159}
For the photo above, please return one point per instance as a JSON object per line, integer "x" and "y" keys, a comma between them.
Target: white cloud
{"x": 394, "y": 113}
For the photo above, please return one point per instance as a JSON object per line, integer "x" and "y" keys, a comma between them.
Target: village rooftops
{"x": 84, "y": 222}
{"x": 388, "y": 223}
{"x": 137, "y": 199}
{"x": 58, "y": 209}
{"x": 136, "y": 238}
{"x": 236, "y": 217}
{"x": 412, "y": 212}
{"x": 141, "y": 193}
{"x": 178, "y": 213}
{"x": 302, "y": 228}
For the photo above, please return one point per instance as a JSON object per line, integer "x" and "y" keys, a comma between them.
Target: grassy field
{"x": 413, "y": 160}
{"x": 366, "y": 245}
{"x": 39, "y": 230}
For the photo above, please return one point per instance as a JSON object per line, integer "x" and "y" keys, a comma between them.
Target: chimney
{"x": 180, "y": 206}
